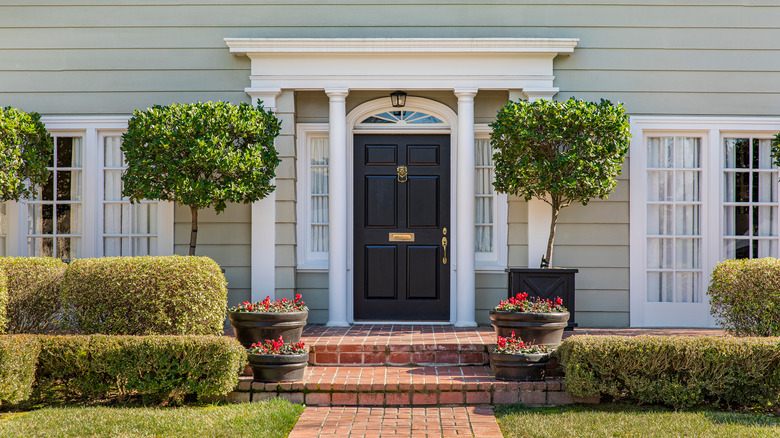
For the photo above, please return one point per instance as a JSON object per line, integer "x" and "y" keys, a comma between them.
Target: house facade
{"x": 386, "y": 213}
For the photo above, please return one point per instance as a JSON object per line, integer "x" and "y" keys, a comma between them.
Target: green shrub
{"x": 3, "y": 302}
{"x": 33, "y": 299}
{"x": 157, "y": 368}
{"x": 200, "y": 155}
{"x": 745, "y": 296}
{"x": 145, "y": 296}
{"x": 677, "y": 371}
{"x": 18, "y": 356}
{"x": 26, "y": 150}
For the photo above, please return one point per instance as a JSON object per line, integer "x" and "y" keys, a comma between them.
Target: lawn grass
{"x": 273, "y": 418}
{"x": 618, "y": 420}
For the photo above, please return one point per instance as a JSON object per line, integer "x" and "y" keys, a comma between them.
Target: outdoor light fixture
{"x": 398, "y": 98}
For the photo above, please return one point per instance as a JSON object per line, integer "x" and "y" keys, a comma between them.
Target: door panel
{"x": 400, "y": 271}
{"x": 423, "y": 267}
{"x": 381, "y": 263}
{"x": 422, "y": 206}
{"x": 381, "y": 201}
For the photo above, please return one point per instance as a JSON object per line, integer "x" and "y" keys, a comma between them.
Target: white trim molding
{"x": 711, "y": 131}
{"x": 395, "y": 63}
{"x": 401, "y": 45}
{"x": 263, "y": 255}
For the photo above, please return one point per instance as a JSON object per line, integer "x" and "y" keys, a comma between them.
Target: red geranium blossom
{"x": 279, "y": 306}
{"x": 521, "y": 303}
{"x": 277, "y": 346}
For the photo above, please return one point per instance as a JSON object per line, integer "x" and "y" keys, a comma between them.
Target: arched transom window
{"x": 403, "y": 118}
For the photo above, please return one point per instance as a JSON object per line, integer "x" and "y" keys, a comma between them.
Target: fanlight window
{"x": 402, "y": 118}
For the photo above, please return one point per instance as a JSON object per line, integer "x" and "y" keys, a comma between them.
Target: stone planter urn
{"x": 253, "y": 327}
{"x": 519, "y": 366}
{"x": 278, "y": 367}
{"x": 534, "y": 328}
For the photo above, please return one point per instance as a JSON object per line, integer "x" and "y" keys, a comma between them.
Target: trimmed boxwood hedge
{"x": 33, "y": 299}
{"x": 681, "y": 372}
{"x": 745, "y": 296}
{"x": 3, "y": 302}
{"x": 48, "y": 369}
{"x": 157, "y": 368}
{"x": 144, "y": 296}
{"x": 18, "y": 356}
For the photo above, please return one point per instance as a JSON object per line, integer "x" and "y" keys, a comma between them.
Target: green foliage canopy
{"x": 25, "y": 151}
{"x": 559, "y": 152}
{"x": 202, "y": 155}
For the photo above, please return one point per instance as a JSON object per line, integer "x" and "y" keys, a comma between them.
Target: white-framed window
{"x": 674, "y": 203}
{"x": 490, "y": 210}
{"x": 312, "y": 193}
{"x": 750, "y": 201}
{"x": 80, "y": 212}
{"x": 54, "y": 215}
{"x": 3, "y": 228}
{"x": 128, "y": 229}
{"x": 702, "y": 190}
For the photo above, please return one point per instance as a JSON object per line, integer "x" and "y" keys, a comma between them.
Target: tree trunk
{"x": 553, "y": 223}
{"x": 194, "y": 232}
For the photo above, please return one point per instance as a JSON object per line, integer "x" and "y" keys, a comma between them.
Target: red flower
{"x": 559, "y": 301}
{"x": 297, "y": 297}
{"x": 502, "y": 342}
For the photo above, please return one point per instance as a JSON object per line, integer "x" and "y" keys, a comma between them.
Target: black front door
{"x": 402, "y": 215}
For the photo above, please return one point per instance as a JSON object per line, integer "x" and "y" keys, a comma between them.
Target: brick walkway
{"x": 343, "y": 422}
{"x": 376, "y": 335}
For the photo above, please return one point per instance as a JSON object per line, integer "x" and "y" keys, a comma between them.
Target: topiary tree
{"x": 559, "y": 152}
{"x": 25, "y": 151}
{"x": 201, "y": 155}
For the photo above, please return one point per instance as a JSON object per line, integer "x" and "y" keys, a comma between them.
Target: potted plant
{"x": 513, "y": 359}
{"x": 255, "y": 322}
{"x": 200, "y": 155}
{"x": 25, "y": 151}
{"x": 538, "y": 321}
{"x": 559, "y": 152}
{"x": 277, "y": 361}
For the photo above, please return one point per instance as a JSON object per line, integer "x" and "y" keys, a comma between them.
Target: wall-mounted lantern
{"x": 398, "y": 98}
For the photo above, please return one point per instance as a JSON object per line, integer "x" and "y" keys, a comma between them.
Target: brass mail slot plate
{"x": 401, "y": 237}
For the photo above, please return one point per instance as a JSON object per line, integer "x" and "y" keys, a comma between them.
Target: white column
{"x": 337, "y": 208}
{"x": 465, "y": 271}
{"x": 264, "y": 221}
{"x": 539, "y": 212}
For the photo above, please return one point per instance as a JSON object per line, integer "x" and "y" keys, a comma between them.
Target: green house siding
{"x": 689, "y": 57}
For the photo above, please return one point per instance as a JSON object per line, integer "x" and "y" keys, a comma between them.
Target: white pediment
{"x": 402, "y": 63}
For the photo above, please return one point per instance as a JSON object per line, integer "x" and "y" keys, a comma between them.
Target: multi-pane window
{"x": 750, "y": 204}
{"x": 54, "y": 217}
{"x": 3, "y": 227}
{"x": 128, "y": 229}
{"x": 318, "y": 187}
{"x": 674, "y": 204}
{"x": 483, "y": 191}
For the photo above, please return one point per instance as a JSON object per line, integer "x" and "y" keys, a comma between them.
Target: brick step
{"x": 398, "y": 355}
{"x": 405, "y": 386}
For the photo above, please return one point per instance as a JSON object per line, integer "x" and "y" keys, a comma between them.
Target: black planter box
{"x": 545, "y": 283}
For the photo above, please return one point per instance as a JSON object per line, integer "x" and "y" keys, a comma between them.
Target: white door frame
{"x": 433, "y": 108}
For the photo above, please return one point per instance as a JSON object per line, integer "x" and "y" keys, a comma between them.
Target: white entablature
{"x": 404, "y": 63}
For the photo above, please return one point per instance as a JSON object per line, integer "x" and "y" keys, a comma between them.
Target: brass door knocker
{"x": 402, "y": 174}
